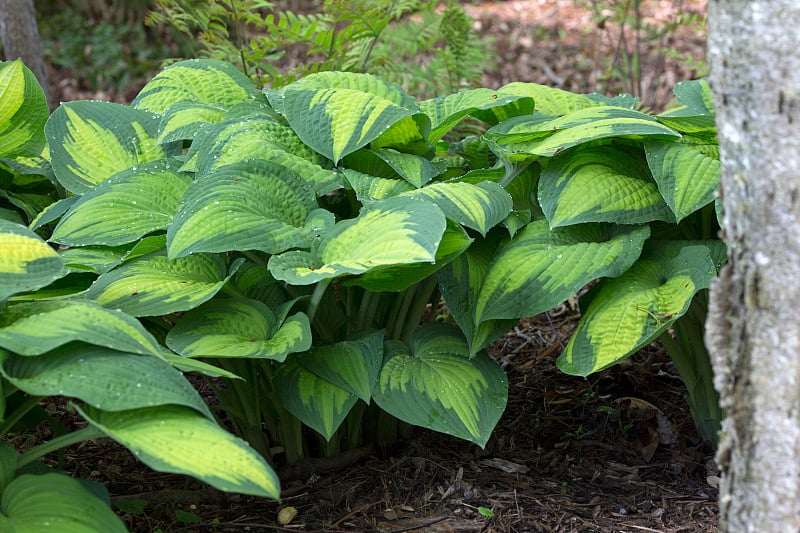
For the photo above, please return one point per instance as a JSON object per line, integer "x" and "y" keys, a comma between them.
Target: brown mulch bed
{"x": 616, "y": 452}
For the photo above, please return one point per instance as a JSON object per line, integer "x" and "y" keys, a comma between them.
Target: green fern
{"x": 406, "y": 41}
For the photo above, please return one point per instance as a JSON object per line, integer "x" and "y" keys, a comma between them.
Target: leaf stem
{"x": 18, "y": 413}
{"x": 87, "y": 433}
{"x": 316, "y": 298}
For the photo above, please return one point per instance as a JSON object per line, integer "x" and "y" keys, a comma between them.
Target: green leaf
{"x": 203, "y": 81}
{"x": 686, "y": 176}
{"x": 26, "y": 261}
{"x": 125, "y": 207}
{"x": 350, "y": 365}
{"x": 239, "y": 328}
{"x": 695, "y": 112}
{"x": 395, "y": 278}
{"x": 548, "y": 100}
{"x": 541, "y": 268}
{"x": 253, "y": 205}
{"x": 369, "y": 188}
{"x": 23, "y": 111}
{"x": 55, "y": 502}
{"x": 104, "y": 378}
{"x": 176, "y": 439}
{"x": 435, "y": 384}
{"x": 336, "y": 113}
{"x": 389, "y": 163}
{"x": 153, "y": 285}
{"x": 97, "y": 259}
{"x": 520, "y": 138}
{"x": 33, "y": 328}
{"x": 316, "y": 402}
{"x": 460, "y": 281}
{"x": 622, "y": 190}
{"x": 447, "y": 111}
{"x": 184, "y": 120}
{"x": 394, "y": 231}
{"x": 479, "y": 207}
{"x": 90, "y": 141}
{"x": 8, "y": 456}
{"x": 628, "y": 312}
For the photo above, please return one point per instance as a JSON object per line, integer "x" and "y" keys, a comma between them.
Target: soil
{"x": 616, "y": 452}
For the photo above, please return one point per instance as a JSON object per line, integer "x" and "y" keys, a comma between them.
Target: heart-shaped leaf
{"x": 176, "y": 439}
{"x": 239, "y": 328}
{"x": 627, "y": 312}
{"x": 549, "y": 100}
{"x": 90, "y": 141}
{"x": 253, "y": 205}
{"x": 434, "y": 383}
{"x": 622, "y": 190}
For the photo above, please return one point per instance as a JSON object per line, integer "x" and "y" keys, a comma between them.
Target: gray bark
{"x": 753, "y": 328}
{"x": 20, "y": 37}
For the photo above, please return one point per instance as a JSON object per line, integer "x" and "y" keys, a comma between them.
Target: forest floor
{"x": 616, "y": 452}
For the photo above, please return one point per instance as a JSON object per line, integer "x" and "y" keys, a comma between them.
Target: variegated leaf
{"x": 622, "y": 190}
{"x": 104, "y": 378}
{"x": 435, "y": 383}
{"x": 36, "y": 327}
{"x": 184, "y": 120}
{"x": 252, "y": 205}
{"x": 203, "y": 81}
{"x": 26, "y": 261}
{"x": 626, "y": 313}
{"x": 90, "y": 141}
{"x": 549, "y": 100}
{"x": 125, "y": 207}
{"x": 239, "y": 328}
{"x": 153, "y": 285}
{"x": 394, "y": 231}
{"x": 541, "y": 268}
{"x": 23, "y": 111}
{"x": 176, "y": 439}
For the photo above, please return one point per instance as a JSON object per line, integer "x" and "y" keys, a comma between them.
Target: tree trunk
{"x": 753, "y": 328}
{"x": 20, "y": 37}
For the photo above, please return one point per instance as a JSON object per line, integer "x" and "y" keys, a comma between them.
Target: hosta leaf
{"x": 239, "y": 328}
{"x": 23, "y": 111}
{"x": 338, "y": 113}
{"x": 53, "y": 212}
{"x": 55, "y": 502}
{"x": 176, "y": 439}
{"x": 541, "y": 268}
{"x": 548, "y": 100}
{"x": 125, "y": 207}
{"x": 447, "y": 111}
{"x": 318, "y": 403}
{"x": 253, "y": 205}
{"x": 26, "y": 261}
{"x": 695, "y": 112}
{"x": 97, "y": 259}
{"x": 37, "y": 327}
{"x": 479, "y": 207}
{"x": 435, "y": 384}
{"x": 630, "y": 311}
{"x": 197, "y": 80}
{"x": 153, "y": 285}
{"x": 519, "y": 138}
{"x": 460, "y": 281}
{"x": 394, "y": 231}
{"x": 238, "y": 139}
{"x": 415, "y": 169}
{"x": 104, "y": 378}
{"x": 350, "y": 365}
{"x": 368, "y": 187}
{"x": 183, "y": 120}
{"x": 91, "y": 141}
{"x": 622, "y": 189}
{"x": 686, "y": 177}
{"x": 400, "y": 277}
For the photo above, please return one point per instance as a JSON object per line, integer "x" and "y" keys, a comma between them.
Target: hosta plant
{"x": 295, "y": 246}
